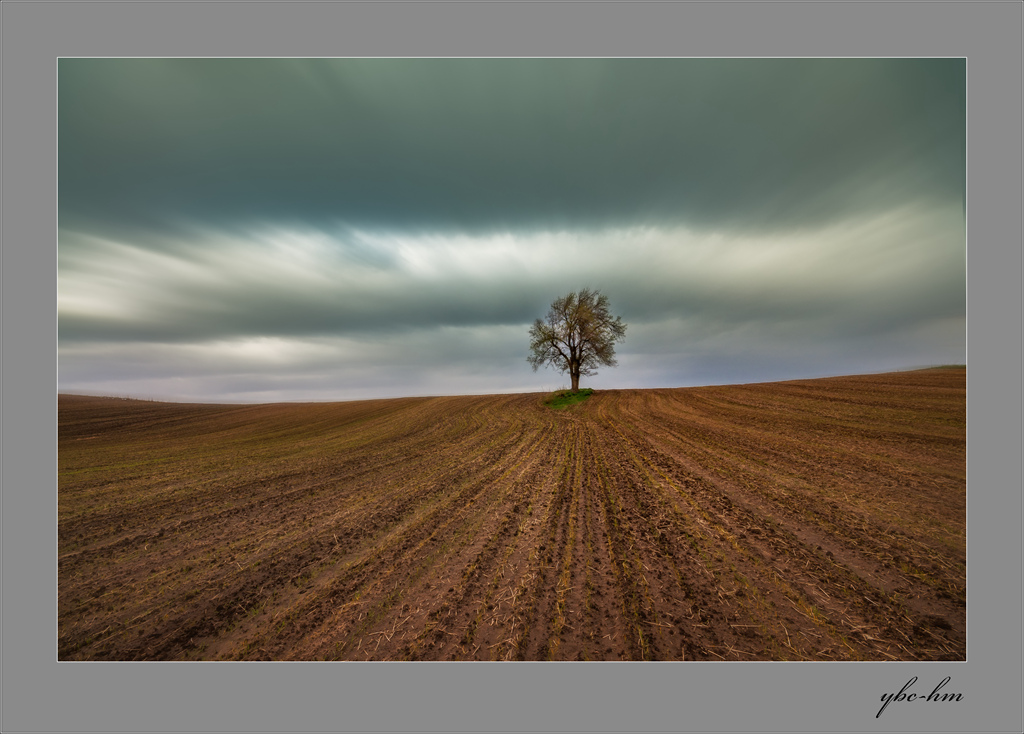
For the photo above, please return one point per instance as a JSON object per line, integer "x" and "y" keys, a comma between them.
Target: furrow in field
{"x": 822, "y": 581}
{"x": 453, "y": 526}
{"x": 758, "y": 603}
{"x": 299, "y": 550}
{"x": 779, "y": 487}
{"x": 676, "y": 556}
{"x": 453, "y": 517}
{"x": 466, "y": 569}
{"x": 856, "y": 535}
{"x": 810, "y": 520}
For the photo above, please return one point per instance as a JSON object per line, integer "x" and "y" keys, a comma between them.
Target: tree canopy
{"x": 578, "y": 334}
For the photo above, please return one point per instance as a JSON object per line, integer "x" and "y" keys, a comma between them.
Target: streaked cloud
{"x": 328, "y": 229}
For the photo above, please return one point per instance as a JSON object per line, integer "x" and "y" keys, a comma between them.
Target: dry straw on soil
{"x": 804, "y": 520}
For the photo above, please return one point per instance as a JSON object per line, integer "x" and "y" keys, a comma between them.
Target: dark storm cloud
{"x": 442, "y": 144}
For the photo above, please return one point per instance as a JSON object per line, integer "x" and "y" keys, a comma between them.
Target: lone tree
{"x": 578, "y": 334}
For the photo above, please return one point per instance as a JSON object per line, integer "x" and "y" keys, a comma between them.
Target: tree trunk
{"x": 575, "y": 381}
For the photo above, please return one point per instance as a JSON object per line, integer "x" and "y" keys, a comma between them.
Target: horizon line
{"x": 489, "y": 394}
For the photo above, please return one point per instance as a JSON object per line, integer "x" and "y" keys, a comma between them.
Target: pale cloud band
{"x": 343, "y": 310}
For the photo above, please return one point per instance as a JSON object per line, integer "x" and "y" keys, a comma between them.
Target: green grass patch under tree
{"x": 565, "y": 398}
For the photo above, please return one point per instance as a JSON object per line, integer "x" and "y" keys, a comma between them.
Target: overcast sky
{"x": 264, "y": 230}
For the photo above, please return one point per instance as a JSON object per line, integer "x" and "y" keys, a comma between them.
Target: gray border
{"x": 42, "y": 695}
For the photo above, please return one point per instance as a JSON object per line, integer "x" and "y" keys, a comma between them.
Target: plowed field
{"x": 804, "y": 520}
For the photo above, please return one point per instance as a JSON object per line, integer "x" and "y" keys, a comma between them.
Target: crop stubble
{"x": 803, "y": 520}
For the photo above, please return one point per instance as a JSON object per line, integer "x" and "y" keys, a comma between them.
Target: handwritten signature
{"x": 905, "y": 695}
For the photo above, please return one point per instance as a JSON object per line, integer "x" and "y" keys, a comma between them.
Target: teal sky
{"x": 287, "y": 229}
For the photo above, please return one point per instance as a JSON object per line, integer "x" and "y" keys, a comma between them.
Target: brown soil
{"x": 805, "y": 520}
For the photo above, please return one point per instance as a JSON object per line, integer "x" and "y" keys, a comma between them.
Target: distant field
{"x": 805, "y": 520}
